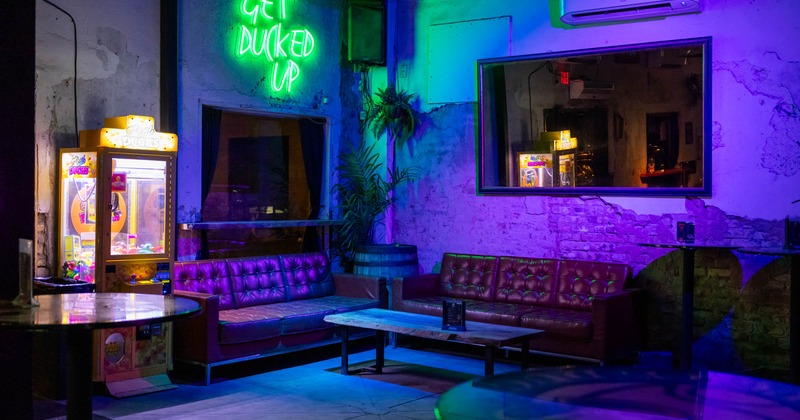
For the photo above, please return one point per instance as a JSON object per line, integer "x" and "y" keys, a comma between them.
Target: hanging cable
{"x": 530, "y": 95}
{"x": 74, "y": 68}
{"x": 366, "y": 98}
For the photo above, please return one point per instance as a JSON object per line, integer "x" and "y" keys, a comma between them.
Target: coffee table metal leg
{"x": 380, "y": 343}
{"x": 488, "y": 368}
{"x": 345, "y": 339}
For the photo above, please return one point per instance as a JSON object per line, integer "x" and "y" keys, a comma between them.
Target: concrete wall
{"x": 117, "y": 74}
{"x": 756, "y": 166}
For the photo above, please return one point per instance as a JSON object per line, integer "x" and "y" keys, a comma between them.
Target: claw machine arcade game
{"x": 116, "y": 230}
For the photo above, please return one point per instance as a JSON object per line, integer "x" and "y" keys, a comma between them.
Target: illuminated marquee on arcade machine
{"x": 116, "y": 229}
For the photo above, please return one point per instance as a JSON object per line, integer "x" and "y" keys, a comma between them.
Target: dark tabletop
{"x": 95, "y": 310}
{"x": 769, "y": 251}
{"x": 684, "y": 245}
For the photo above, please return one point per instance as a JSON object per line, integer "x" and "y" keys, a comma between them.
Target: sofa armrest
{"x": 410, "y": 287}
{"x": 616, "y": 321}
{"x": 361, "y": 286}
{"x": 196, "y": 336}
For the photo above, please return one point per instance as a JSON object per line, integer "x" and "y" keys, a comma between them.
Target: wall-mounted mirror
{"x": 625, "y": 120}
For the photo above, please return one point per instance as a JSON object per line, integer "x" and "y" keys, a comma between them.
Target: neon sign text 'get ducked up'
{"x": 266, "y": 35}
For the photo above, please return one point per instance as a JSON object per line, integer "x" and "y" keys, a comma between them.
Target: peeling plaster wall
{"x": 756, "y": 170}
{"x": 212, "y": 74}
{"x": 117, "y": 74}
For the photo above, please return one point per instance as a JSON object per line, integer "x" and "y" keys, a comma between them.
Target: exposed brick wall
{"x": 760, "y": 327}
{"x": 717, "y": 294}
{"x": 46, "y": 247}
{"x": 740, "y": 323}
{"x": 741, "y": 301}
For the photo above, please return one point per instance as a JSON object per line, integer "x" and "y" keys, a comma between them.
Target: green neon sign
{"x": 266, "y": 35}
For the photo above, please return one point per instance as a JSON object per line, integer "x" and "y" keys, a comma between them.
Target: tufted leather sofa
{"x": 583, "y": 306}
{"x": 257, "y": 306}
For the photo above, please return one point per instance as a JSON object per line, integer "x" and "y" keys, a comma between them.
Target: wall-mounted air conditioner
{"x": 589, "y": 89}
{"x": 584, "y": 12}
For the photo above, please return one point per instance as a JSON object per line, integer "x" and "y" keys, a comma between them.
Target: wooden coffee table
{"x": 490, "y": 336}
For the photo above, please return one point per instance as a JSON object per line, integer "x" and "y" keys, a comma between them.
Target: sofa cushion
{"x": 476, "y": 310}
{"x": 503, "y": 313}
{"x": 567, "y": 323}
{"x": 257, "y": 281}
{"x": 205, "y": 276}
{"x": 579, "y": 281}
{"x": 301, "y": 315}
{"x": 468, "y": 276}
{"x": 346, "y": 304}
{"x": 308, "y": 275}
{"x": 247, "y": 324}
{"x": 431, "y": 305}
{"x": 526, "y": 280}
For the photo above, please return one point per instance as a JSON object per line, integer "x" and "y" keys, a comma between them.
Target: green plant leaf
{"x": 393, "y": 114}
{"x": 363, "y": 196}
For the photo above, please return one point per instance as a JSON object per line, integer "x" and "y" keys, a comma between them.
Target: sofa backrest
{"x": 242, "y": 282}
{"x": 468, "y": 276}
{"x": 205, "y": 276}
{"x": 579, "y": 281}
{"x": 257, "y": 280}
{"x": 526, "y": 280}
{"x": 307, "y": 275}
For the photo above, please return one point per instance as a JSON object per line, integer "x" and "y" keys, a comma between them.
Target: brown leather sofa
{"x": 583, "y": 307}
{"x": 258, "y": 306}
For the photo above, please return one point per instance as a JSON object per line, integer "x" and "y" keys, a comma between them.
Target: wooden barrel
{"x": 386, "y": 260}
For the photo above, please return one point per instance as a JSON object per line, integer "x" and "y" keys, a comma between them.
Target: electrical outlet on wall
{"x": 402, "y": 71}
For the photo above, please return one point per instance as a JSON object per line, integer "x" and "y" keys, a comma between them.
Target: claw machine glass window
{"x": 535, "y": 169}
{"x": 138, "y": 205}
{"x": 79, "y": 218}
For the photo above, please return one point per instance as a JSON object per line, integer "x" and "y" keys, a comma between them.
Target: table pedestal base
{"x": 79, "y": 374}
{"x": 687, "y": 312}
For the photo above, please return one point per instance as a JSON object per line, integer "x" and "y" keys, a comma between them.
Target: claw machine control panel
{"x": 116, "y": 230}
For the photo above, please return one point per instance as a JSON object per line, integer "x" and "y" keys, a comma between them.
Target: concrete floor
{"x": 308, "y": 385}
{"x": 314, "y": 390}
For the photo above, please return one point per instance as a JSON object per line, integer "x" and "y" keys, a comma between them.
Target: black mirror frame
{"x": 704, "y": 191}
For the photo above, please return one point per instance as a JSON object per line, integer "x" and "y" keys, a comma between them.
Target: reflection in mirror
{"x": 628, "y": 120}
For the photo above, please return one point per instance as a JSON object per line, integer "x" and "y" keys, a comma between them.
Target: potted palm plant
{"x": 364, "y": 195}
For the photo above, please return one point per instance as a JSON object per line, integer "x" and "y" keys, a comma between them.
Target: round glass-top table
{"x": 80, "y": 313}
{"x": 619, "y": 393}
